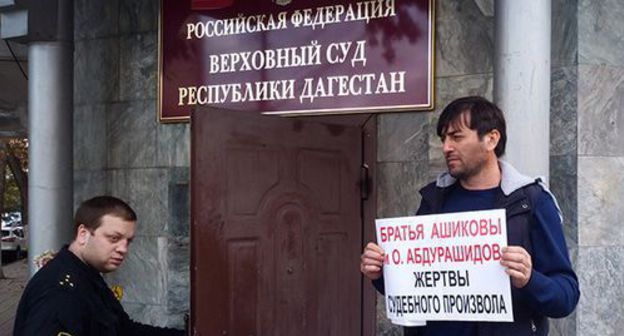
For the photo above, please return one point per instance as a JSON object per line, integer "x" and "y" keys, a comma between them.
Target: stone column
{"x": 50, "y": 105}
{"x": 522, "y": 81}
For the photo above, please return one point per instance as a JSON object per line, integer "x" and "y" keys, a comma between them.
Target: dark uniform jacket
{"x": 69, "y": 297}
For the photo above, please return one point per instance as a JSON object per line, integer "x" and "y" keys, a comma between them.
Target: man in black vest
{"x": 68, "y": 296}
{"x": 473, "y": 134}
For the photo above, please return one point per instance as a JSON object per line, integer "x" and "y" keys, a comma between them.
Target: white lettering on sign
{"x": 355, "y": 85}
{"x": 310, "y": 17}
{"x": 236, "y": 93}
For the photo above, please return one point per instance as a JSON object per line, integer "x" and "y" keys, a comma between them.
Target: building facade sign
{"x": 295, "y": 57}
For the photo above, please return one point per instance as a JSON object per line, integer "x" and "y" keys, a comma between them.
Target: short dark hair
{"x": 91, "y": 211}
{"x": 485, "y": 116}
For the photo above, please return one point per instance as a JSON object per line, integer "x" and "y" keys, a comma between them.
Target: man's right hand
{"x": 371, "y": 262}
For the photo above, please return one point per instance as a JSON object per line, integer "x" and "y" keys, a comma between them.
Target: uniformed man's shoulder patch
{"x": 117, "y": 291}
{"x": 66, "y": 281}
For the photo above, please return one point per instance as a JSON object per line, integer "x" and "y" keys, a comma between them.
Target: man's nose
{"x": 446, "y": 146}
{"x": 123, "y": 247}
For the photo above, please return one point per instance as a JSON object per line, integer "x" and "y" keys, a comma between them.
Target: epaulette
{"x": 66, "y": 281}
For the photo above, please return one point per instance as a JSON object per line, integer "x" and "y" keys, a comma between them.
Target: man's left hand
{"x": 518, "y": 265}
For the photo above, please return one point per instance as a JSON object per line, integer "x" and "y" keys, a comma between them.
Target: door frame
{"x": 369, "y": 214}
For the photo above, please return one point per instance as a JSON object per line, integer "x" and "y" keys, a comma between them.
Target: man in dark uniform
{"x": 68, "y": 296}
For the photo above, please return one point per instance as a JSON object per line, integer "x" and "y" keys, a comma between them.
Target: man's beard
{"x": 467, "y": 172}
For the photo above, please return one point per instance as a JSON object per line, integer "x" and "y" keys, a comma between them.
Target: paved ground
{"x": 11, "y": 288}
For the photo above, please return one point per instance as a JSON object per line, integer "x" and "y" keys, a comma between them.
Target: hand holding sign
{"x": 372, "y": 261}
{"x": 518, "y": 263}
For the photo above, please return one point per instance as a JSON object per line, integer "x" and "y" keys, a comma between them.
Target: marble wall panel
{"x": 384, "y": 326}
{"x": 96, "y": 71}
{"x": 563, "y": 184}
{"x": 451, "y": 88}
{"x": 564, "y": 47}
{"x": 143, "y": 273}
{"x": 138, "y": 67}
{"x": 464, "y": 39}
{"x": 600, "y": 33}
{"x": 563, "y": 326}
{"x": 146, "y": 191}
{"x": 88, "y": 184}
{"x": 155, "y": 315}
{"x": 563, "y": 111}
{"x": 567, "y": 326}
{"x": 403, "y": 137}
{"x": 138, "y": 16}
{"x": 486, "y": 7}
{"x": 563, "y": 147}
{"x": 397, "y": 187}
{"x": 173, "y": 144}
{"x": 600, "y": 311}
{"x": 90, "y": 136}
{"x": 131, "y": 135}
{"x": 94, "y": 19}
{"x": 600, "y": 106}
{"x": 178, "y": 276}
{"x": 601, "y": 191}
{"x": 179, "y": 203}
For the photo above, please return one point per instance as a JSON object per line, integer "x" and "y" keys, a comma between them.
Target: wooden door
{"x": 276, "y": 226}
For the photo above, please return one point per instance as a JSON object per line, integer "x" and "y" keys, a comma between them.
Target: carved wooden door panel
{"x": 276, "y": 226}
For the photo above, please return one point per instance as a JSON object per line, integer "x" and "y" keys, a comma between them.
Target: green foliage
{"x": 18, "y": 148}
{"x": 12, "y": 201}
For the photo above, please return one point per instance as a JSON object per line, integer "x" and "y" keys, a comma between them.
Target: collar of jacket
{"x": 90, "y": 272}
{"x": 511, "y": 179}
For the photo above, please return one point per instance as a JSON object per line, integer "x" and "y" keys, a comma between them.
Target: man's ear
{"x": 492, "y": 139}
{"x": 83, "y": 235}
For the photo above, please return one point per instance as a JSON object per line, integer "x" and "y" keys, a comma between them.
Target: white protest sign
{"x": 445, "y": 267}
